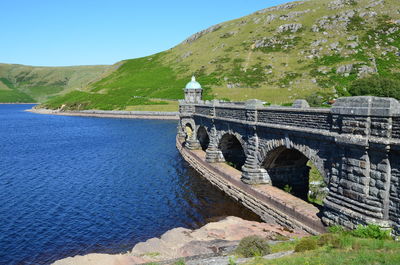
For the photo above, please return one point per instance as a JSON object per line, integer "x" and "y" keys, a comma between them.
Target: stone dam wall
{"x": 355, "y": 145}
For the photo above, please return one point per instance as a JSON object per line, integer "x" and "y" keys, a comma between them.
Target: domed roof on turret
{"x": 193, "y": 84}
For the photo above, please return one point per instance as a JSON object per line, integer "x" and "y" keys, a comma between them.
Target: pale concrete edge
{"x": 111, "y": 114}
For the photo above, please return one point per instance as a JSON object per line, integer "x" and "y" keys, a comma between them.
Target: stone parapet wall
{"x": 396, "y": 127}
{"x": 231, "y": 113}
{"x": 314, "y": 120}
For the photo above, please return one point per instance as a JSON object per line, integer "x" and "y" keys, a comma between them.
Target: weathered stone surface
{"x": 366, "y": 105}
{"x": 354, "y": 145}
{"x": 198, "y": 35}
{"x": 289, "y": 27}
{"x": 280, "y": 7}
{"x": 347, "y": 68}
{"x": 300, "y": 104}
{"x": 213, "y": 238}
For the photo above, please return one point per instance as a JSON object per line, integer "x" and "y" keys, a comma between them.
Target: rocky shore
{"x": 153, "y": 115}
{"x": 209, "y": 244}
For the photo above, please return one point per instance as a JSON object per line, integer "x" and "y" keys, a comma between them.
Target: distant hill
{"x": 278, "y": 54}
{"x": 21, "y": 83}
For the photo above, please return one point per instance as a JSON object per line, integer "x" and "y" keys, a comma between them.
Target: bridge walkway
{"x": 273, "y": 205}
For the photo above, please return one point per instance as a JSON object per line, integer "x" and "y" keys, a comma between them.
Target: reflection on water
{"x": 76, "y": 185}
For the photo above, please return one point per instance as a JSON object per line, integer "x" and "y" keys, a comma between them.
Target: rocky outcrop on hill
{"x": 201, "y": 33}
{"x": 289, "y": 27}
{"x": 280, "y": 48}
{"x": 212, "y": 239}
{"x": 280, "y": 7}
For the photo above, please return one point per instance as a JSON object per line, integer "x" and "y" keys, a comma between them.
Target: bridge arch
{"x": 232, "y": 149}
{"x": 188, "y": 127}
{"x": 203, "y": 137}
{"x": 188, "y": 130}
{"x": 291, "y": 166}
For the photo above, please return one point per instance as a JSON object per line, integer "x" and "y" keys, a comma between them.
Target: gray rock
{"x": 353, "y": 38}
{"x": 186, "y": 55}
{"x": 270, "y": 18}
{"x": 198, "y": 35}
{"x": 323, "y": 69}
{"x": 256, "y": 20}
{"x": 366, "y": 70}
{"x": 233, "y": 85}
{"x": 314, "y": 28}
{"x": 347, "y": 68}
{"x": 368, "y": 14}
{"x": 294, "y": 27}
{"x": 352, "y": 45}
{"x": 318, "y": 42}
{"x": 334, "y": 46}
{"x": 300, "y": 104}
{"x": 294, "y": 14}
{"x": 337, "y": 4}
{"x": 374, "y": 3}
{"x": 346, "y": 16}
{"x": 280, "y": 7}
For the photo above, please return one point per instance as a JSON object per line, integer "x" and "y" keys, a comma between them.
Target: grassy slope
{"x": 229, "y": 65}
{"x": 20, "y": 83}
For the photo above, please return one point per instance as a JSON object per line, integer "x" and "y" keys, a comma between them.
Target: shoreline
{"x": 18, "y": 103}
{"x": 216, "y": 240}
{"x": 147, "y": 115}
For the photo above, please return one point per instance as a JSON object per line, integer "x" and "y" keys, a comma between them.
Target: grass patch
{"x": 7, "y": 82}
{"x": 306, "y": 244}
{"x": 14, "y": 96}
{"x": 252, "y": 246}
{"x": 169, "y": 107}
{"x": 362, "y": 246}
{"x": 113, "y": 100}
{"x": 146, "y": 77}
{"x": 356, "y": 23}
{"x": 329, "y": 60}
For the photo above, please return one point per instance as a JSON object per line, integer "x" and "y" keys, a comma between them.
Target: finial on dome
{"x": 193, "y": 84}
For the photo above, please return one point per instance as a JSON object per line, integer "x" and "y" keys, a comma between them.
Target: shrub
{"x": 345, "y": 241}
{"x": 376, "y": 86}
{"x": 356, "y": 23}
{"x": 318, "y": 99}
{"x": 328, "y": 240}
{"x": 371, "y": 231}
{"x": 232, "y": 261}
{"x": 180, "y": 262}
{"x": 305, "y": 244}
{"x": 252, "y": 246}
{"x": 336, "y": 229}
{"x": 287, "y": 188}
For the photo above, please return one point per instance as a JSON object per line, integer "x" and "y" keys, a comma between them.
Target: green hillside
{"x": 20, "y": 83}
{"x": 309, "y": 49}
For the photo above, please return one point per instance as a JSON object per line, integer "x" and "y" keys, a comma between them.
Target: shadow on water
{"x": 209, "y": 203}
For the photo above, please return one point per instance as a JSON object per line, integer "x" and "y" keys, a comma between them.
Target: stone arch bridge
{"x": 355, "y": 145}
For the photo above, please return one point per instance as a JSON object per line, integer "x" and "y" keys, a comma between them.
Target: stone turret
{"x": 193, "y": 91}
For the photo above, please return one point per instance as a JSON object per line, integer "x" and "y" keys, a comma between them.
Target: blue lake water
{"x": 77, "y": 185}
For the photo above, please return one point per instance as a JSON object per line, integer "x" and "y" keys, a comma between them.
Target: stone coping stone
{"x": 366, "y": 106}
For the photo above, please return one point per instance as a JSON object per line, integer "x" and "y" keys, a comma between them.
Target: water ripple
{"x": 73, "y": 185}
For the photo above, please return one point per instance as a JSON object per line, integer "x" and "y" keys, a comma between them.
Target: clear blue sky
{"x": 84, "y": 32}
